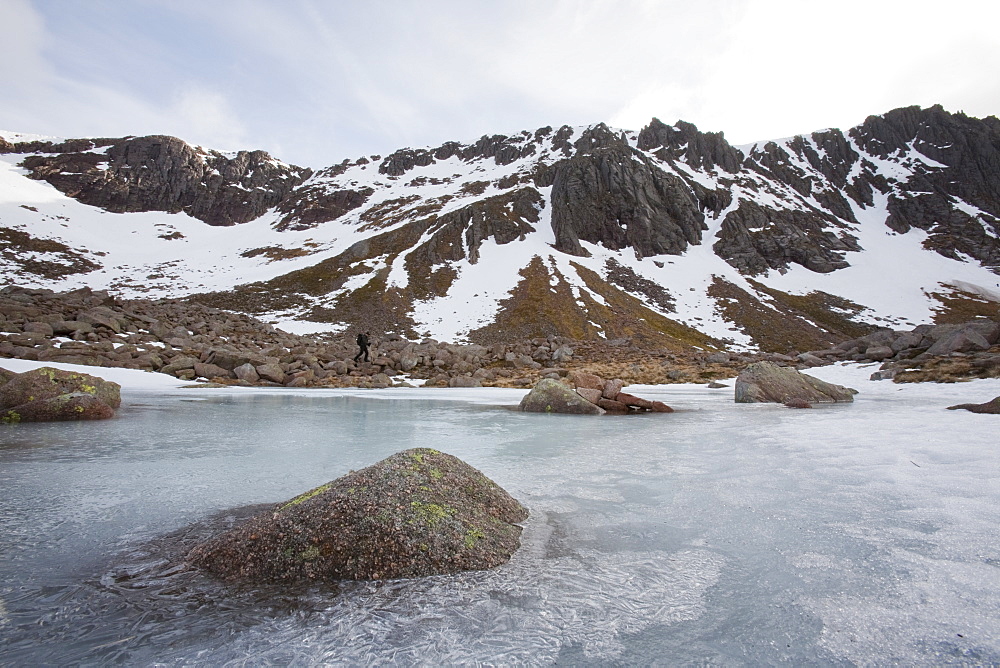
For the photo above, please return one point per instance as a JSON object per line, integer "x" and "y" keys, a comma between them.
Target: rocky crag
{"x": 606, "y": 223}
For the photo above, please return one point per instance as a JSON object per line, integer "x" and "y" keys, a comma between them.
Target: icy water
{"x": 722, "y": 534}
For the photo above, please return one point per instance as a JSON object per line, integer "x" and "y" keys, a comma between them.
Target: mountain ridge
{"x": 582, "y": 232}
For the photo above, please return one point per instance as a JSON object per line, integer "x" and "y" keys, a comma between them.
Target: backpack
{"x": 362, "y": 339}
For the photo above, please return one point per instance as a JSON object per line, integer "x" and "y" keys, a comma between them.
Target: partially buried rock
{"x": 768, "y": 382}
{"x": 551, "y": 396}
{"x": 46, "y": 394}
{"x": 419, "y": 512}
{"x": 991, "y": 407}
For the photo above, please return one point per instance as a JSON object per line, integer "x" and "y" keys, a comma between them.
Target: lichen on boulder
{"x": 419, "y": 512}
{"x": 768, "y": 382}
{"x": 551, "y": 396}
{"x": 592, "y": 396}
{"x": 47, "y": 394}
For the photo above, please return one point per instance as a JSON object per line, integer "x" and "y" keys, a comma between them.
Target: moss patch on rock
{"x": 46, "y": 394}
{"x": 419, "y": 512}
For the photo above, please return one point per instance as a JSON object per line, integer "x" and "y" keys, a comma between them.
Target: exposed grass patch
{"x": 957, "y": 307}
{"x": 780, "y": 328}
{"x": 822, "y": 309}
{"x": 626, "y": 316}
{"x": 276, "y": 253}
{"x": 16, "y": 247}
{"x": 537, "y": 308}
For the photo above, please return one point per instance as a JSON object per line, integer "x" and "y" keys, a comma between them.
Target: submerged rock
{"x": 992, "y": 407}
{"x": 419, "y": 512}
{"x": 768, "y": 382}
{"x": 46, "y": 394}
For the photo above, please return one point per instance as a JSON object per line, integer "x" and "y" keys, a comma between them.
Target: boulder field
{"x": 939, "y": 353}
{"x": 47, "y": 394}
{"x": 419, "y": 512}
{"x": 192, "y": 341}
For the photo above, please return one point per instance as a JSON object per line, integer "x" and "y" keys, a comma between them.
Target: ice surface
{"x": 722, "y": 534}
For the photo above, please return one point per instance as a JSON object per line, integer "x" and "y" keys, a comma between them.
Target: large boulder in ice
{"x": 46, "y": 394}
{"x": 551, "y": 396}
{"x": 419, "y": 512}
{"x": 70, "y": 406}
{"x": 992, "y": 407}
{"x": 768, "y": 382}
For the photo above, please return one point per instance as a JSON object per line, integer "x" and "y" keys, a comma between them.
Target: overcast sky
{"x": 316, "y": 81}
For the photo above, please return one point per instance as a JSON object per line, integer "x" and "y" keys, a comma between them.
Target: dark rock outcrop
{"x": 46, "y": 394}
{"x": 768, "y": 382}
{"x": 417, "y": 513}
{"x": 754, "y": 239}
{"x": 161, "y": 173}
{"x": 614, "y": 198}
{"x": 684, "y": 142}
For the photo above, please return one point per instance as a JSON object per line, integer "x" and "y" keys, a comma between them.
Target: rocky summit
{"x": 668, "y": 237}
{"x": 419, "y": 512}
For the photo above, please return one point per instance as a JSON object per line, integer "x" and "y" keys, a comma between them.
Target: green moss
{"x": 10, "y": 417}
{"x": 431, "y": 514}
{"x": 436, "y": 474}
{"x": 473, "y": 536}
{"x": 306, "y": 496}
{"x": 309, "y": 553}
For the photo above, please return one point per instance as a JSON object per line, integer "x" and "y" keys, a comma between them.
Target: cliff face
{"x": 160, "y": 173}
{"x": 588, "y": 232}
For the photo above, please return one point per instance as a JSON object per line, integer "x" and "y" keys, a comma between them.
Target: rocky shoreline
{"x": 193, "y": 342}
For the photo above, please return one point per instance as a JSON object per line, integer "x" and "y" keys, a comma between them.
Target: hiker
{"x": 362, "y": 346}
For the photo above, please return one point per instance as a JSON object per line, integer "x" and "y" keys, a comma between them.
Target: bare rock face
{"x": 46, "y": 394}
{"x": 551, "y": 396}
{"x": 419, "y": 512}
{"x": 612, "y": 198}
{"x": 768, "y": 382}
{"x": 991, "y": 407}
{"x": 754, "y": 239}
{"x": 161, "y": 173}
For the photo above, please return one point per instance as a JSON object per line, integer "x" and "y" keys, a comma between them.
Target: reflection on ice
{"x": 722, "y": 534}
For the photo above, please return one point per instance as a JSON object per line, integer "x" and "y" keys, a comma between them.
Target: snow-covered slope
{"x": 667, "y": 235}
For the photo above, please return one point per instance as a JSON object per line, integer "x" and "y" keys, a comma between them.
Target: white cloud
{"x": 205, "y": 116}
{"x": 324, "y": 81}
